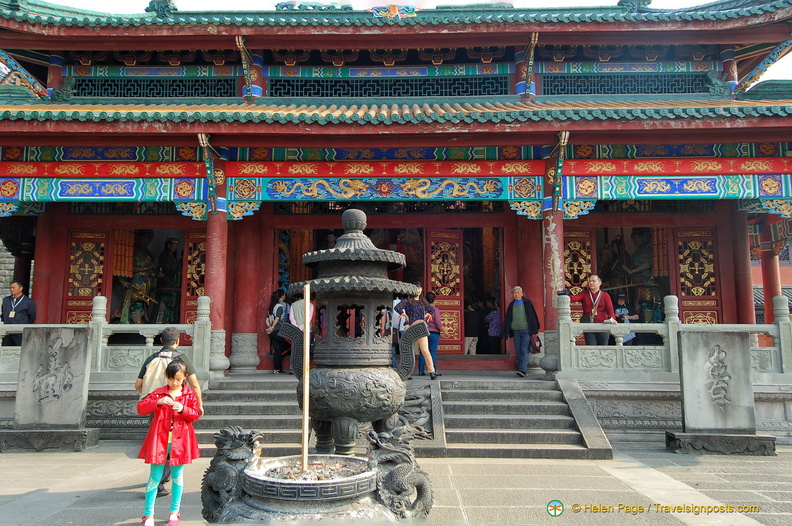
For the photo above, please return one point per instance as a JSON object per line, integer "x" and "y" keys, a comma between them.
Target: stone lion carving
{"x": 400, "y": 476}
{"x": 220, "y": 488}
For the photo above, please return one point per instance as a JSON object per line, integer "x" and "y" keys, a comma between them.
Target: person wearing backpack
{"x": 278, "y": 313}
{"x": 152, "y": 376}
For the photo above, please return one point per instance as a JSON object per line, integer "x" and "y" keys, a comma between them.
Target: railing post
{"x": 671, "y": 342}
{"x": 565, "y": 339}
{"x": 781, "y": 319}
{"x": 215, "y": 360}
{"x": 97, "y": 323}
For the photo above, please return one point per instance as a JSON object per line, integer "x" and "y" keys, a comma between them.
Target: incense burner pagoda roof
{"x": 50, "y": 14}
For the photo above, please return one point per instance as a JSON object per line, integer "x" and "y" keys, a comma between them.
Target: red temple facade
{"x": 494, "y": 146}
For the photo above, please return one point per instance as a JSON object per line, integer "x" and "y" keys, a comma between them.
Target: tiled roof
{"x": 758, "y": 295}
{"x": 395, "y": 112}
{"x": 38, "y": 12}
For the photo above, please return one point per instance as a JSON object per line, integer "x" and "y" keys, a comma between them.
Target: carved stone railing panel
{"x": 119, "y": 364}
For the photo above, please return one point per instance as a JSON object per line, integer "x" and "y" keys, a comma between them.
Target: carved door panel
{"x": 87, "y": 252}
{"x": 696, "y": 265}
{"x": 193, "y": 274}
{"x": 445, "y": 269}
{"x": 578, "y": 263}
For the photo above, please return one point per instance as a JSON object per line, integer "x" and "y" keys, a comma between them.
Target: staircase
{"x": 268, "y": 405}
{"x": 519, "y": 419}
{"x": 482, "y": 417}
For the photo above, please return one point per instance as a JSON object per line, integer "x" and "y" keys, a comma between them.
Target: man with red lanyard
{"x": 597, "y": 305}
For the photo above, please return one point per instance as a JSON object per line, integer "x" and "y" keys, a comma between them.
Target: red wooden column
{"x": 553, "y": 256}
{"x": 742, "y": 268}
{"x": 771, "y": 273}
{"x": 55, "y": 71}
{"x": 267, "y": 268}
{"x": 45, "y": 259}
{"x": 244, "y": 336}
{"x": 216, "y": 267}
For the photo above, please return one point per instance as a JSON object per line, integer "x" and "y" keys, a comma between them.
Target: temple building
{"x": 159, "y": 157}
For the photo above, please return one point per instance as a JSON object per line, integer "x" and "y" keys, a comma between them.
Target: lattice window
{"x": 649, "y": 206}
{"x": 622, "y": 84}
{"x": 127, "y": 87}
{"x": 196, "y": 268}
{"x": 577, "y": 263}
{"x": 445, "y": 275}
{"x": 389, "y": 87}
{"x": 86, "y": 268}
{"x": 121, "y": 209}
{"x": 697, "y": 267}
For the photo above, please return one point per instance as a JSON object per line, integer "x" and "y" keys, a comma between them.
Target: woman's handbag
{"x": 536, "y": 344}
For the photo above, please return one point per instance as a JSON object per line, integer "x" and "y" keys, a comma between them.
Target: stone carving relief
{"x": 596, "y": 358}
{"x": 718, "y": 379}
{"x": 124, "y": 358}
{"x": 51, "y": 382}
{"x": 643, "y": 358}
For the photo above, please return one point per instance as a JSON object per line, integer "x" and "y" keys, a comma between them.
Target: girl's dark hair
{"x": 276, "y": 296}
{"x": 174, "y": 367}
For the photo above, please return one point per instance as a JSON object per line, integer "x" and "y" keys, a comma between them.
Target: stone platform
{"x": 39, "y": 440}
{"x": 721, "y": 444}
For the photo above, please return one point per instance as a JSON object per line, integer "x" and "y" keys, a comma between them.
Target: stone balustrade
{"x": 118, "y": 364}
{"x": 770, "y": 348}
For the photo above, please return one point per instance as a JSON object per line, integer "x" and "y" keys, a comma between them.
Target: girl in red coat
{"x": 171, "y": 432}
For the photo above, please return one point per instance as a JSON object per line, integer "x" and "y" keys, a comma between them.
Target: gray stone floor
{"x": 104, "y": 486}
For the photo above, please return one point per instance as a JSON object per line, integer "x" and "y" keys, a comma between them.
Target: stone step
{"x": 231, "y": 395}
{"x": 280, "y": 382}
{"x": 555, "y": 451}
{"x": 276, "y": 436}
{"x": 519, "y": 384}
{"x": 507, "y": 408}
{"x": 509, "y": 422}
{"x": 513, "y": 436}
{"x": 238, "y": 409}
{"x": 454, "y": 395}
{"x": 278, "y": 422}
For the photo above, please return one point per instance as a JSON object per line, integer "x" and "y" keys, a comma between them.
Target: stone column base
{"x": 720, "y": 444}
{"x": 40, "y": 439}
{"x": 244, "y": 353}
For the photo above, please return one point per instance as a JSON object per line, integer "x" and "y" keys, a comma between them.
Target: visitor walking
{"x": 417, "y": 309}
{"x": 278, "y": 313}
{"x": 435, "y": 325}
{"x": 521, "y": 322}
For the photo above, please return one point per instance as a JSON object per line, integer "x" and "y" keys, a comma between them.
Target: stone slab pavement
{"x": 643, "y": 484}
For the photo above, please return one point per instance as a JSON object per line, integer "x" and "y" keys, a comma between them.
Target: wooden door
{"x": 445, "y": 279}
{"x": 86, "y": 277}
{"x": 579, "y": 247}
{"x": 194, "y": 273}
{"x": 700, "y": 298}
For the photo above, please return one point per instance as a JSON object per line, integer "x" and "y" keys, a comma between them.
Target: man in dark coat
{"x": 521, "y": 322}
{"x": 17, "y": 309}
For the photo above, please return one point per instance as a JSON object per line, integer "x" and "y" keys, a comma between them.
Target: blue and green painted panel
{"x": 66, "y": 190}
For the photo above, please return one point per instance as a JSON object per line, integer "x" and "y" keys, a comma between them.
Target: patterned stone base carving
{"x": 39, "y": 440}
{"x": 720, "y": 444}
{"x": 244, "y": 352}
{"x": 218, "y": 362}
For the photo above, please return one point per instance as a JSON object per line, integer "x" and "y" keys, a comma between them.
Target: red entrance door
{"x": 700, "y": 298}
{"x": 86, "y": 277}
{"x": 444, "y": 248}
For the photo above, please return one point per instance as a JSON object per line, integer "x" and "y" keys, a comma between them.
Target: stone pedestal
{"x": 52, "y": 391}
{"x": 717, "y": 396}
{"x": 720, "y": 443}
